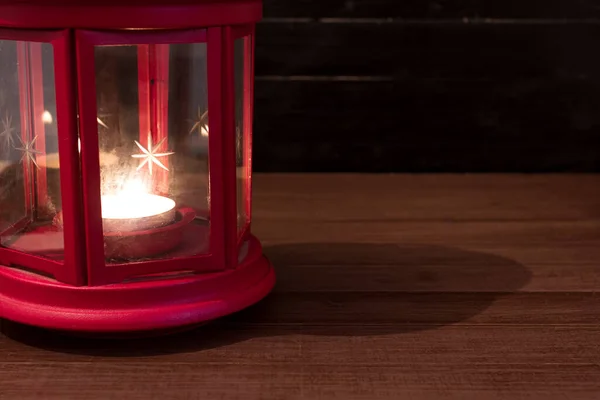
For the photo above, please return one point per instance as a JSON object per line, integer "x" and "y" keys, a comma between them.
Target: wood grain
{"x": 430, "y": 197}
{"x": 434, "y": 9}
{"x": 424, "y": 125}
{"x": 390, "y": 286}
{"x": 453, "y": 50}
{"x": 427, "y": 86}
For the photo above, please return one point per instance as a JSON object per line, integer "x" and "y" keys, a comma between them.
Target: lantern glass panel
{"x": 243, "y": 129}
{"x": 30, "y": 196}
{"x": 153, "y": 134}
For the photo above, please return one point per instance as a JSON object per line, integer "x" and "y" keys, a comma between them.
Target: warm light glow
{"x": 100, "y": 122}
{"x": 134, "y": 201}
{"x": 204, "y": 131}
{"x": 47, "y": 117}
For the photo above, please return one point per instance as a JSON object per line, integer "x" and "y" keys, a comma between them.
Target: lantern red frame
{"x": 83, "y": 292}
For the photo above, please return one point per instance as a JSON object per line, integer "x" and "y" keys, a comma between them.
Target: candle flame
{"x": 47, "y": 117}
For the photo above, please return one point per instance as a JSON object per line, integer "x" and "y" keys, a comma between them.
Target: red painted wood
{"x": 33, "y": 262}
{"x": 251, "y": 131}
{"x": 90, "y": 158}
{"x": 161, "y": 110}
{"x": 120, "y": 272}
{"x": 241, "y": 31}
{"x": 216, "y": 145}
{"x": 37, "y": 109}
{"x": 110, "y": 38}
{"x": 24, "y": 35}
{"x": 25, "y": 112}
{"x": 74, "y": 270}
{"x": 16, "y": 227}
{"x": 248, "y": 123}
{"x": 141, "y": 305}
{"x": 144, "y": 110}
{"x": 134, "y": 15}
{"x": 247, "y": 33}
{"x": 229, "y": 152}
{"x": 153, "y": 88}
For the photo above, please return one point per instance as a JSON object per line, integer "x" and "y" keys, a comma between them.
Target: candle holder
{"x": 125, "y": 164}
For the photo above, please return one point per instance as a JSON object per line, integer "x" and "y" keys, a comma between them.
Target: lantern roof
{"x": 127, "y": 14}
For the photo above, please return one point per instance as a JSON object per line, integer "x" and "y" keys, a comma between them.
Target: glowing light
{"x": 139, "y": 206}
{"x": 47, "y": 117}
{"x": 201, "y": 124}
{"x": 133, "y": 201}
{"x": 101, "y": 123}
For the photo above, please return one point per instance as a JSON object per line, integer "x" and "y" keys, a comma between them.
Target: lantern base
{"x": 137, "y": 306}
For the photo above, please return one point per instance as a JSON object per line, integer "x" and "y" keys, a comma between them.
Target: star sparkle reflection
{"x": 150, "y": 155}
{"x": 29, "y": 151}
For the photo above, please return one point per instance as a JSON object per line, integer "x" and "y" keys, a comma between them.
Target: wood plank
{"x": 432, "y": 9}
{"x": 547, "y": 382}
{"x": 523, "y": 243}
{"x": 483, "y": 362}
{"x": 427, "y": 126}
{"x": 287, "y": 345}
{"x": 373, "y": 97}
{"x": 445, "y": 50}
{"x": 423, "y": 275}
{"x": 415, "y": 205}
{"x": 425, "y": 198}
{"x": 426, "y": 213}
{"x": 405, "y": 311}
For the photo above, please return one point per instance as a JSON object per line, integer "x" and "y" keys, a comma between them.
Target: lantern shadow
{"x": 331, "y": 289}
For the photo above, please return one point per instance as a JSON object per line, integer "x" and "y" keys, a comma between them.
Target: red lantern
{"x": 125, "y": 163}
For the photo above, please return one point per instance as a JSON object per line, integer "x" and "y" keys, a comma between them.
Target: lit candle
{"x": 133, "y": 209}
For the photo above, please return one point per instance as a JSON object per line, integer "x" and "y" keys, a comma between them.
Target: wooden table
{"x": 390, "y": 287}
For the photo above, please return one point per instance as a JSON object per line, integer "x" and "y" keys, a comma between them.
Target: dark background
{"x": 423, "y": 85}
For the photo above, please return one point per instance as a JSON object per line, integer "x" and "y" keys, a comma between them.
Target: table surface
{"x": 389, "y": 287}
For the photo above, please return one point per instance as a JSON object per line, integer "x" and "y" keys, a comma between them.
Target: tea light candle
{"x": 132, "y": 209}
